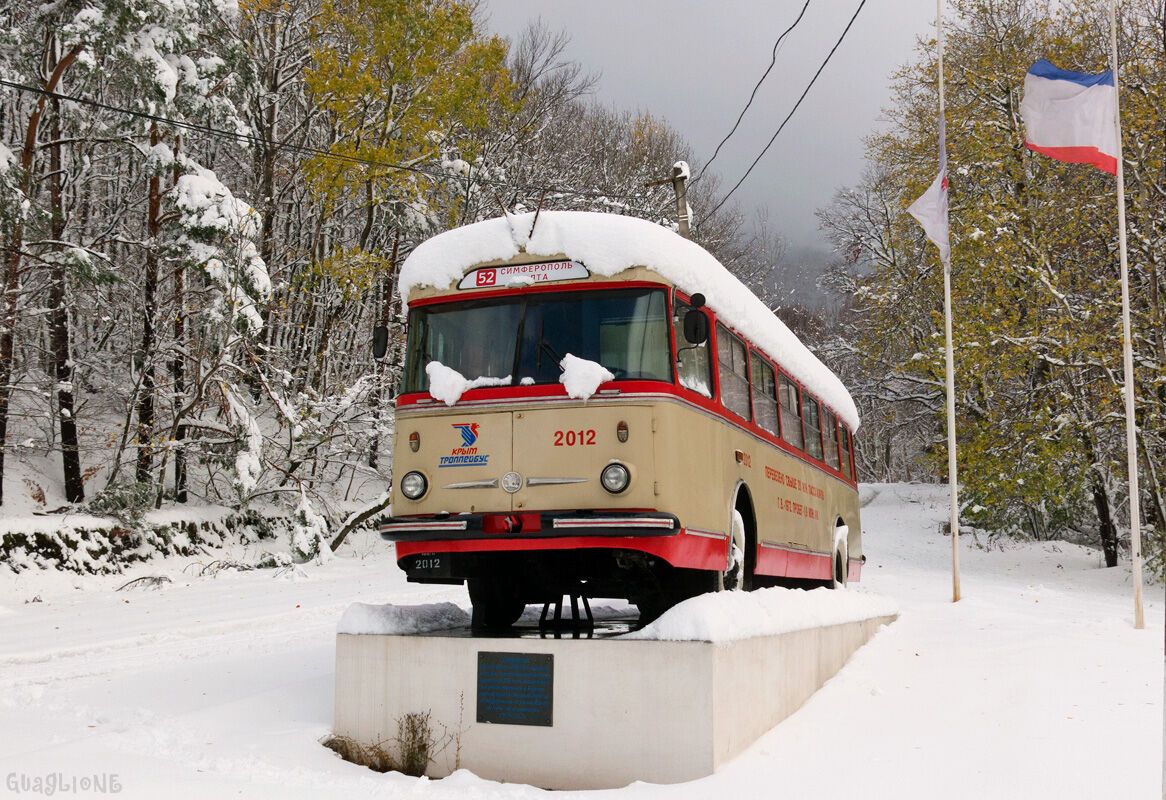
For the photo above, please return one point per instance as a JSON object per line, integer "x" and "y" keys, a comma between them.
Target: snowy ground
{"x": 1034, "y": 686}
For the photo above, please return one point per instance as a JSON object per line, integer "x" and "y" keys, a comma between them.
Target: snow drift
{"x": 728, "y": 616}
{"x": 388, "y": 619}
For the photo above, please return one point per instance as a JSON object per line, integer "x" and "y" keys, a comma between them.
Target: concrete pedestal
{"x": 620, "y": 710}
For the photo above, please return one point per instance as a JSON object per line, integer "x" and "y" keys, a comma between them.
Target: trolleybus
{"x": 716, "y": 452}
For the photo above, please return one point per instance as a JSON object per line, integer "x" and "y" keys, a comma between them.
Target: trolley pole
{"x": 679, "y": 181}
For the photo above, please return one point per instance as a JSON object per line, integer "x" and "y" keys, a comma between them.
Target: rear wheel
{"x": 497, "y": 603}
{"x": 838, "y": 579}
{"x": 840, "y": 572}
{"x": 735, "y": 576}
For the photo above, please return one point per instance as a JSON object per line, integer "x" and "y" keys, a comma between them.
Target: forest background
{"x": 204, "y": 206}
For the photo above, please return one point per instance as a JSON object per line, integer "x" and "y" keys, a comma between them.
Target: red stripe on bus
{"x": 550, "y": 286}
{"x": 692, "y": 552}
{"x": 854, "y": 572}
{"x": 784, "y": 563}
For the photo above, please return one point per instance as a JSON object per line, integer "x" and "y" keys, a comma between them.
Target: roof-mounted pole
{"x": 680, "y": 186}
{"x": 679, "y": 181}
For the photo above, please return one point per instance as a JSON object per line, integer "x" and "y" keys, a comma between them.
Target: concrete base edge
{"x": 622, "y": 711}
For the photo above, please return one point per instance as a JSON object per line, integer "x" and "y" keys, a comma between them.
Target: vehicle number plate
{"x": 428, "y": 563}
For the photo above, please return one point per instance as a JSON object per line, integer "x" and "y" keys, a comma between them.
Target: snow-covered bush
{"x": 309, "y": 532}
{"x": 125, "y": 501}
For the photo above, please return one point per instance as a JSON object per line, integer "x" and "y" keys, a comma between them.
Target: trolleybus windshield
{"x": 525, "y": 338}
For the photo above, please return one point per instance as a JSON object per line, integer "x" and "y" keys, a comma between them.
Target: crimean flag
{"x": 1069, "y": 116}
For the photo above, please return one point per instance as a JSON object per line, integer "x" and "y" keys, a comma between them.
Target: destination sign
{"x": 523, "y": 274}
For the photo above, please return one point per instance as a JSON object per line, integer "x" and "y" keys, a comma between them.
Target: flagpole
{"x": 949, "y": 367}
{"x": 1127, "y": 340}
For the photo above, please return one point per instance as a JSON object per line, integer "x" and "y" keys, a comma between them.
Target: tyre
{"x": 840, "y": 573}
{"x": 496, "y": 601}
{"x": 735, "y": 577}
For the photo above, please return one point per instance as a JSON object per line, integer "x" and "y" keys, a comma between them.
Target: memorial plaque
{"x": 516, "y": 688}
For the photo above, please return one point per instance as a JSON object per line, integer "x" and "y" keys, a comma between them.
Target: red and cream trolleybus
{"x": 592, "y": 404}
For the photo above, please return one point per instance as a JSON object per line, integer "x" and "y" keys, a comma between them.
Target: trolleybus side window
{"x": 813, "y": 426}
{"x": 692, "y": 361}
{"x": 733, "y": 372}
{"x": 764, "y": 394}
{"x": 791, "y": 418}
{"x": 830, "y": 439}
{"x": 844, "y": 437}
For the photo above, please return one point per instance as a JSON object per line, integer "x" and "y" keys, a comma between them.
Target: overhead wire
{"x": 240, "y": 136}
{"x": 788, "y": 116}
{"x": 753, "y": 94}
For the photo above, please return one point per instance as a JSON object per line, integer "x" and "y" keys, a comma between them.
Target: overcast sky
{"x": 694, "y": 64}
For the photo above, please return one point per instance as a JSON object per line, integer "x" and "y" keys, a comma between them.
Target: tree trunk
{"x": 178, "y": 369}
{"x": 149, "y": 299}
{"x": 384, "y": 319}
{"x": 1106, "y": 528}
{"x": 59, "y": 324}
{"x": 12, "y": 264}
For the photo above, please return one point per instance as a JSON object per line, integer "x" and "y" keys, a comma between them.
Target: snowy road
{"x": 1034, "y": 686}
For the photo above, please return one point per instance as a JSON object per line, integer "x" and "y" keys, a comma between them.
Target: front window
{"x": 525, "y": 338}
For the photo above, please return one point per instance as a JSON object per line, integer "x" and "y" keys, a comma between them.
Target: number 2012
{"x": 574, "y": 438}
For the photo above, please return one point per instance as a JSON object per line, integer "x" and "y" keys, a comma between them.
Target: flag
{"x": 1069, "y": 116}
{"x": 931, "y": 208}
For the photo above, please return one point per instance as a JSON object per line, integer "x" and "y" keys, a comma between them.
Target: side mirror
{"x": 380, "y": 341}
{"x": 696, "y": 326}
{"x": 697, "y": 300}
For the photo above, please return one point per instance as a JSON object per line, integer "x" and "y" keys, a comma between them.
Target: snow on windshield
{"x": 582, "y": 377}
{"x": 448, "y": 385}
{"x": 608, "y": 244}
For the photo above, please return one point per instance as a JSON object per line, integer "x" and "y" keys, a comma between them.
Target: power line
{"x": 764, "y": 75}
{"x": 239, "y": 136}
{"x": 788, "y": 116}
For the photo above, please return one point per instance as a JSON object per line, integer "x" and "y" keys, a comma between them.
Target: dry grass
{"x": 409, "y": 753}
{"x": 375, "y": 756}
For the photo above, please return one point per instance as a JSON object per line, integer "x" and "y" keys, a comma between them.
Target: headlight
{"x": 615, "y": 478}
{"x": 414, "y": 485}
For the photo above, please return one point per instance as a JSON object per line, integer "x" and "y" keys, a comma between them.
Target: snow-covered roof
{"x": 610, "y": 243}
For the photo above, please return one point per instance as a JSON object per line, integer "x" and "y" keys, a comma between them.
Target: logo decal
{"x": 467, "y": 454}
{"x": 469, "y": 432}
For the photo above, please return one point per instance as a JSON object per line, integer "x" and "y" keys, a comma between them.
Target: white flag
{"x": 931, "y": 208}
